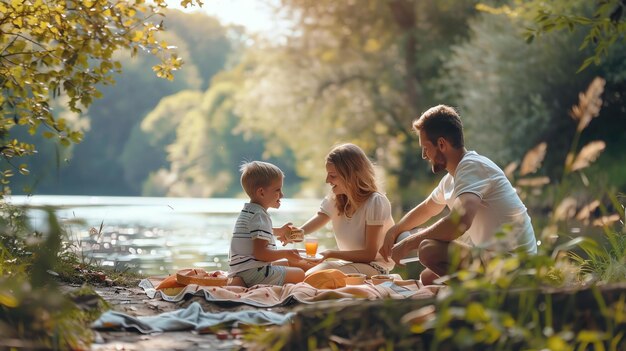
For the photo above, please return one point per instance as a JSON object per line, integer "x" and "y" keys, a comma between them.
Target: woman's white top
{"x": 350, "y": 231}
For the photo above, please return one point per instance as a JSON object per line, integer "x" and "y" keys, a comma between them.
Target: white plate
{"x": 409, "y": 259}
{"x": 317, "y": 256}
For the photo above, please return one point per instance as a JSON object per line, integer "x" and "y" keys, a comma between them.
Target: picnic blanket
{"x": 190, "y": 318}
{"x": 273, "y": 295}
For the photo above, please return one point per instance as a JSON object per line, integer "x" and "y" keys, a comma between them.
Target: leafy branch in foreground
{"x": 50, "y": 48}
{"x": 605, "y": 24}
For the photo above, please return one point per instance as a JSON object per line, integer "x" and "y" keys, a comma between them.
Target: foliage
{"x": 510, "y": 304}
{"x": 519, "y": 302}
{"x": 204, "y": 147}
{"x": 53, "y": 48}
{"x": 604, "y": 22}
{"x": 34, "y": 314}
{"x": 355, "y": 71}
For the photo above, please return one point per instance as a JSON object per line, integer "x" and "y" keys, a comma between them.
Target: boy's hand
{"x": 283, "y": 232}
{"x": 292, "y": 255}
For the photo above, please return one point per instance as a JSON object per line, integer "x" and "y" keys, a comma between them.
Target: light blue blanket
{"x": 190, "y": 318}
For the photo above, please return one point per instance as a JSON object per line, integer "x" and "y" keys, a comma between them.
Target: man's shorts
{"x": 270, "y": 275}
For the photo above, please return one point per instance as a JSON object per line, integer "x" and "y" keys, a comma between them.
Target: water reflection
{"x": 156, "y": 235}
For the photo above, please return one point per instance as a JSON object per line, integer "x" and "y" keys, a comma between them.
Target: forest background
{"x": 342, "y": 71}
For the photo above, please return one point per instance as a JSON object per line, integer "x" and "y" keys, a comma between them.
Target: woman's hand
{"x": 327, "y": 254}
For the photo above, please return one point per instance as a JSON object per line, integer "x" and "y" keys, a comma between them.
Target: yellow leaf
{"x": 8, "y": 300}
{"x": 590, "y": 336}
{"x": 137, "y": 36}
{"x": 475, "y": 312}
{"x": 18, "y": 22}
{"x": 372, "y": 45}
{"x": 555, "y": 343}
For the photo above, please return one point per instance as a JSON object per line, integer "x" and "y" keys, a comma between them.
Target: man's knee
{"x": 431, "y": 250}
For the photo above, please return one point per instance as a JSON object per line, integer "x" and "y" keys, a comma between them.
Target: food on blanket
{"x": 169, "y": 282}
{"x": 381, "y": 278}
{"x": 327, "y": 279}
{"x": 296, "y": 235}
{"x": 201, "y": 277}
{"x": 355, "y": 278}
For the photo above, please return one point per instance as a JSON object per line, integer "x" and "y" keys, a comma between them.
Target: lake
{"x": 152, "y": 235}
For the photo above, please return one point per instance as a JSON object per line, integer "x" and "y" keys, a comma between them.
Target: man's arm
{"x": 414, "y": 218}
{"x": 448, "y": 228}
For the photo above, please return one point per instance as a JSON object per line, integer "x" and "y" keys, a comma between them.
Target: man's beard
{"x": 439, "y": 163}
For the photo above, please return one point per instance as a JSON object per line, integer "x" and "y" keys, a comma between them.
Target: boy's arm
{"x": 261, "y": 252}
{"x": 310, "y": 226}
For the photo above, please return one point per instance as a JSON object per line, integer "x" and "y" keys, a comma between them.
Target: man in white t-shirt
{"x": 481, "y": 200}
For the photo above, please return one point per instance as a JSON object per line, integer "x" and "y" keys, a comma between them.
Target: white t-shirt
{"x": 253, "y": 223}
{"x": 501, "y": 211}
{"x": 350, "y": 232}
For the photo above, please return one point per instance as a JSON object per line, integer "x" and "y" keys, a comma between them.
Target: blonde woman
{"x": 359, "y": 214}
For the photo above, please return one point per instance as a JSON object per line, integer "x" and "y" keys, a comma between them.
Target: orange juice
{"x": 311, "y": 247}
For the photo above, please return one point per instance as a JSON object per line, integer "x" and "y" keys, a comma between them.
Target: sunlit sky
{"x": 255, "y": 15}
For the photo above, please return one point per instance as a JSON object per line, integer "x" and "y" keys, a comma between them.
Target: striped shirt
{"x": 253, "y": 223}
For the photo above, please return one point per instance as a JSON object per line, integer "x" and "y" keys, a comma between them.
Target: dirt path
{"x": 133, "y": 301}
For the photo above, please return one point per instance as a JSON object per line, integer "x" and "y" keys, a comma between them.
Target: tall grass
{"x": 34, "y": 313}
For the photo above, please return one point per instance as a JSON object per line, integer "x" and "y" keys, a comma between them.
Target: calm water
{"x": 152, "y": 235}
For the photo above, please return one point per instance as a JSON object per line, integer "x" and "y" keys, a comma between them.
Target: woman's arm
{"x": 315, "y": 223}
{"x": 366, "y": 255}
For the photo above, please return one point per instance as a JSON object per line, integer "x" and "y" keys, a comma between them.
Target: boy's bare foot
{"x": 236, "y": 281}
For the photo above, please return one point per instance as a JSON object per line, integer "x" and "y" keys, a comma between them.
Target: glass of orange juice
{"x": 310, "y": 245}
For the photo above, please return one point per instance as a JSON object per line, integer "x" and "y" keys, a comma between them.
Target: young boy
{"x": 253, "y": 248}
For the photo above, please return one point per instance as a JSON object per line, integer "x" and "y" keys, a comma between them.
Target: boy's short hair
{"x": 258, "y": 174}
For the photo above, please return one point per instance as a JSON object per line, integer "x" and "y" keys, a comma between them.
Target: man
{"x": 481, "y": 200}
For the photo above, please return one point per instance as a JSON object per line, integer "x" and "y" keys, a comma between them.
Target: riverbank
{"x": 133, "y": 301}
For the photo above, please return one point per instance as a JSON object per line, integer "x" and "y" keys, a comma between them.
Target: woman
{"x": 359, "y": 214}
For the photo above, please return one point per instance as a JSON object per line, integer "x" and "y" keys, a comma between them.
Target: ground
{"x": 133, "y": 301}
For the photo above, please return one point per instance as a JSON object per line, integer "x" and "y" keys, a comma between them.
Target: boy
{"x": 252, "y": 248}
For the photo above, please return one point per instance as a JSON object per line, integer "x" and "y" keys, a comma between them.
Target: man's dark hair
{"x": 441, "y": 121}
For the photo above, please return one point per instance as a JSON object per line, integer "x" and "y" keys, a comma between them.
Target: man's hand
{"x": 400, "y": 251}
{"x": 283, "y": 233}
{"x": 388, "y": 243}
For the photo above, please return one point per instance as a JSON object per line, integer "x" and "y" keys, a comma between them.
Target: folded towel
{"x": 190, "y": 318}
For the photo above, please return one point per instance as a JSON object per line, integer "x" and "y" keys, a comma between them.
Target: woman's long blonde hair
{"x": 357, "y": 172}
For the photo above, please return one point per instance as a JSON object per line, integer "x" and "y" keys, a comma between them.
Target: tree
{"x": 357, "y": 71}
{"x": 52, "y": 48}
{"x": 604, "y": 22}
{"x": 204, "y": 146}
